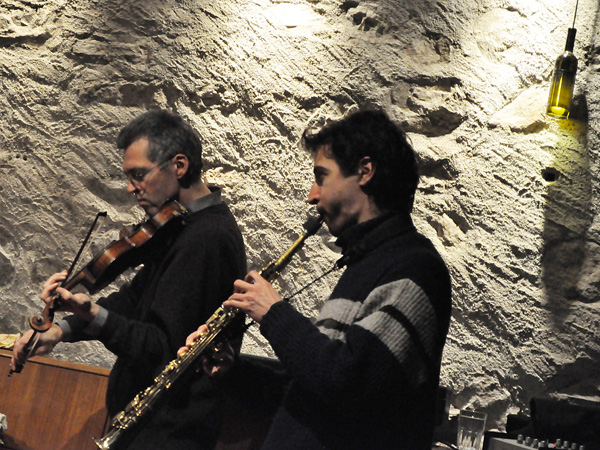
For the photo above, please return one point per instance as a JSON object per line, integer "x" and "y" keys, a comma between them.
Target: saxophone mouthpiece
{"x": 313, "y": 224}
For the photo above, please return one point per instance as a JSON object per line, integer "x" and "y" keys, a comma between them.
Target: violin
{"x": 120, "y": 255}
{"x": 115, "y": 258}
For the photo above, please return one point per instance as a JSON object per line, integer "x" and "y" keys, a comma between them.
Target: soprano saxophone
{"x": 127, "y": 421}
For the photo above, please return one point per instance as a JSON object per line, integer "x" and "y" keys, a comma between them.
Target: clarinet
{"x": 127, "y": 421}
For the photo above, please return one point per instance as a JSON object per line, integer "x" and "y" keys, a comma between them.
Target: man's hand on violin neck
{"x": 78, "y": 304}
{"x": 49, "y": 287}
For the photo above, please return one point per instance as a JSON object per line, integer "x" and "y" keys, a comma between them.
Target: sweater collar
{"x": 214, "y": 198}
{"x": 361, "y": 238}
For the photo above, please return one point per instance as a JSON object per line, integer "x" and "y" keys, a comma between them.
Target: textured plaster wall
{"x": 508, "y": 196}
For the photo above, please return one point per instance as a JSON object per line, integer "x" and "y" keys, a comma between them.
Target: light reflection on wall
{"x": 293, "y": 15}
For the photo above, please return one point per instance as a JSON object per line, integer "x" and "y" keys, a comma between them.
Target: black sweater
{"x": 150, "y": 318}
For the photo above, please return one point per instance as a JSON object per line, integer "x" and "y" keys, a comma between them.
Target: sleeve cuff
{"x": 278, "y": 314}
{"x": 67, "y": 330}
{"x": 94, "y": 327}
{"x": 71, "y": 326}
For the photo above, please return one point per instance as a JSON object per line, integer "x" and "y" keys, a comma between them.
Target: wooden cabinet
{"x": 52, "y": 405}
{"x": 58, "y": 405}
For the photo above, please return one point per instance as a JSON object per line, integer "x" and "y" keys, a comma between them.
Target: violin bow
{"x": 84, "y": 244}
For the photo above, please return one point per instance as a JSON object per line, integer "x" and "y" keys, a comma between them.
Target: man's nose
{"x": 131, "y": 188}
{"x": 314, "y": 194}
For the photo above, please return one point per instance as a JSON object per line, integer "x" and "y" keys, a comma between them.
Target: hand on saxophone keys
{"x": 254, "y": 296}
{"x": 216, "y": 362}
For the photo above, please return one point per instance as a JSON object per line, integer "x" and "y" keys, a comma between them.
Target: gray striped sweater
{"x": 365, "y": 376}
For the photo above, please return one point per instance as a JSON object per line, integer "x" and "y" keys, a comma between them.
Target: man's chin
{"x": 330, "y": 226}
{"x": 337, "y": 228}
{"x": 151, "y": 210}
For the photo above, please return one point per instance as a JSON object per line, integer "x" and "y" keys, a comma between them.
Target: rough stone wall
{"x": 508, "y": 196}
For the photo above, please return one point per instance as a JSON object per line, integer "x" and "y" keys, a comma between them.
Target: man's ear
{"x": 366, "y": 170}
{"x": 182, "y": 164}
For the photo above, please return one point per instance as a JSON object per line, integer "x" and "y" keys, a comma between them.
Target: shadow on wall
{"x": 125, "y": 50}
{"x": 571, "y": 264}
{"x": 571, "y": 252}
{"x": 567, "y": 218}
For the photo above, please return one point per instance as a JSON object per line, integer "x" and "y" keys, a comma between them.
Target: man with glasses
{"x": 179, "y": 287}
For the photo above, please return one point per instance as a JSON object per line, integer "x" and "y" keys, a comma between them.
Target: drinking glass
{"x": 471, "y": 426}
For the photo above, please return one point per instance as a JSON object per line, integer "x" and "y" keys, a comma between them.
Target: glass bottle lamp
{"x": 563, "y": 81}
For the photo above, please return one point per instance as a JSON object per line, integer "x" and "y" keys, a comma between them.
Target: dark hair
{"x": 167, "y": 135}
{"x": 373, "y": 134}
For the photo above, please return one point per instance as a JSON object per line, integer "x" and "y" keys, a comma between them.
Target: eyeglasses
{"x": 137, "y": 176}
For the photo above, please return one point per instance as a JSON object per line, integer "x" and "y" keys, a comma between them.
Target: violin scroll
{"x": 41, "y": 322}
